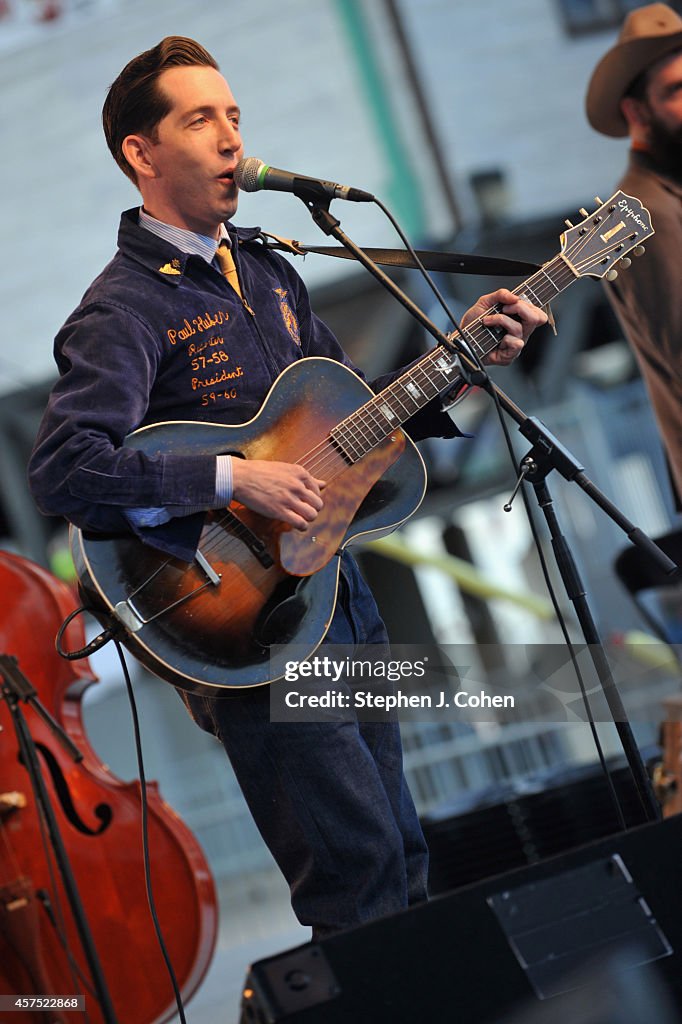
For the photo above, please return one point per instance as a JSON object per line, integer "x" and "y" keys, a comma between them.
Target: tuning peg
{"x": 624, "y": 263}
{"x": 568, "y": 223}
{"x": 583, "y": 212}
{"x": 598, "y": 200}
{"x": 638, "y": 250}
{"x": 611, "y": 275}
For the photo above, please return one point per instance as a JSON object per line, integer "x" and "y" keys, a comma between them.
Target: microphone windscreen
{"x": 246, "y": 174}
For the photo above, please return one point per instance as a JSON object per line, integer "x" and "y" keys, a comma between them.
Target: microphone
{"x": 252, "y": 175}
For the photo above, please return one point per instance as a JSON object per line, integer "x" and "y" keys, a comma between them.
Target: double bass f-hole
{"x": 101, "y": 811}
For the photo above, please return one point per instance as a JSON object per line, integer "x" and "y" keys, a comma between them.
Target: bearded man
{"x": 636, "y": 90}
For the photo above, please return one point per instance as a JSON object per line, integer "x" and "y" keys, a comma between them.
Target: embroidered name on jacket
{"x": 198, "y": 324}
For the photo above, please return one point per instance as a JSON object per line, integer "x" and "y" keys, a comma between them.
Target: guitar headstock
{"x": 601, "y": 242}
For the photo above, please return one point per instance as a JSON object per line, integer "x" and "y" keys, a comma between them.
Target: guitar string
{"x": 375, "y": 419}
{"x": 597, "y": 228}
{"x": 370, "y": 408}
{"x": 325, "y": 450}
{"x": 325, "y": 453}
{"x": 317, "y": 459}
{"x": 237, "y": 603}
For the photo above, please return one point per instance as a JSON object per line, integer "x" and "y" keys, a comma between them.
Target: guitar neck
{"x": 438, "y": 370}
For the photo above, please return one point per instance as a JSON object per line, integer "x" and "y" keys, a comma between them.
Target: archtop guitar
{"x": 257, "y": 590}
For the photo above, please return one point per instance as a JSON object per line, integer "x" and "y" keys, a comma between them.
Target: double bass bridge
{"x": 11, "y": 802}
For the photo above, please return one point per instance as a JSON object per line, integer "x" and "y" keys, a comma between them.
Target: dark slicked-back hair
{"x": 135, "y": 104}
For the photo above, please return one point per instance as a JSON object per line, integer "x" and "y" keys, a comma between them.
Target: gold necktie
{"x": 226, "y": 264}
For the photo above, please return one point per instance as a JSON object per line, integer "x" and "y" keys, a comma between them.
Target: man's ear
{"x": 635, "y": 112}
{"x": 137, "y": 149}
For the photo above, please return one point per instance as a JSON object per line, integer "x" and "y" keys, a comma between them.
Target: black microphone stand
{"x": 15, "y": 688}
{"x": 547, "y": 454}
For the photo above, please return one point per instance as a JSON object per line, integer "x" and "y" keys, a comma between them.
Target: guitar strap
{"x": 448, "y": 262}
{"x": 445, "y": 262}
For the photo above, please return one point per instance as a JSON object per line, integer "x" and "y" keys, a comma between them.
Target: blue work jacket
{"x": 160, "y": 335}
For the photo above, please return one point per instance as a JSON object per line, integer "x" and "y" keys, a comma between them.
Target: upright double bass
{"x": 99, "y": 818}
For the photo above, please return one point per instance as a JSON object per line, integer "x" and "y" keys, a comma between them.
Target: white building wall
{"x": 505, "y": 84}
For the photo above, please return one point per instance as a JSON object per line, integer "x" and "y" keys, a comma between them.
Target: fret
{"x": 365, "y": 424}
{"x": 414, "y": 390}
{"x": 537, "y": 299}
{"x": 363, "y": 430}
{"x": 542, "y": 285}
{"x": 391, "y": 418}
{"x": 470, "y": 339}
{"x": 344, "y": 442}
{"x": 426, "y": 384}
{"x": 364, "y": 437}
{"x": 489, "y": 338}
{"x": 557, "y": 289}
{"x": 379, "y": 418}
{"x": 393, "y": 396}
{"x": 423, "y": 380}
{"x": 444, "y": 362}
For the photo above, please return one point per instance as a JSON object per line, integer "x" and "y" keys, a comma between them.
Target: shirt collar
{"x": 186, "y": 241}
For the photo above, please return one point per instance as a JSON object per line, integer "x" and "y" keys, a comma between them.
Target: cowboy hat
{"x": 648, "y": 34}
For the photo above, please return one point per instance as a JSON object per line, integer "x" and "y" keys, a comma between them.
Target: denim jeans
{"x": 329, "y": 797}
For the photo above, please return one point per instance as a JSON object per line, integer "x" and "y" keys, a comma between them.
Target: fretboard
{"x": 438, "y": 371}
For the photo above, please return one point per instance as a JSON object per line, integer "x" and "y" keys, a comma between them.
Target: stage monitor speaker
{"x": 529, "y": 945}
{"x": 531, "y": 820}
